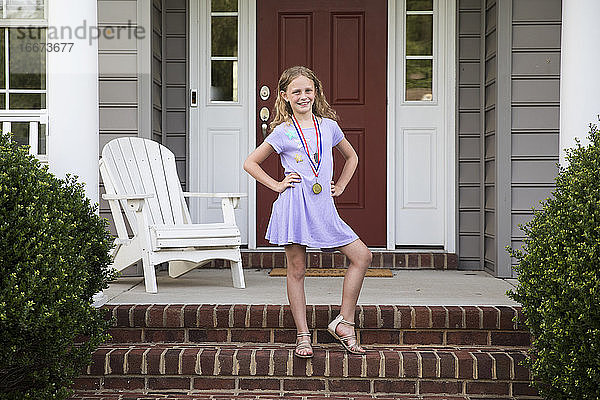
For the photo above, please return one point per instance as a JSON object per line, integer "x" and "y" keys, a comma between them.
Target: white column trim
{"x": 72, "y": 99}
{"x": 579, "y": 81}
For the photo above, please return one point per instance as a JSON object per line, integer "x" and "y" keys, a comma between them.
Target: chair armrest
{"x": 215, "y": 195}
{"x": 135, "y": 201}
{"x": 234, "y": 197}
{"x": 134, "y": 196}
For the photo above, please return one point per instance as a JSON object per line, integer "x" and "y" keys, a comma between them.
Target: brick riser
{"x": 393, "y": 325}
{"x": 240, "y": 368}
{"x": 415, "y": 352}
{"x": 317, "y": 259}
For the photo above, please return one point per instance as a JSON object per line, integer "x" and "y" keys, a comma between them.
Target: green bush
{"x": 53, "y": 259}
{"x": 559, "y": 280}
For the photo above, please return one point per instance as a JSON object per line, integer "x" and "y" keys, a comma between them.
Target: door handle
{"x": 264, "y": 115}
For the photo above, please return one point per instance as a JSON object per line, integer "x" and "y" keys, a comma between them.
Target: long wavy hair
{"x": 282, "y": 112}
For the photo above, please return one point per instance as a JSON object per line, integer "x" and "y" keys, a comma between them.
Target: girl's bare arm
{"x": 252, "y": 166}
{"x": 349, "y": 167}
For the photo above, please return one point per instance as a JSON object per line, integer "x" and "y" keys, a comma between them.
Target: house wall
{"x": 469, "y": 128}
{"x": 118, "y": 78}
{"x": 175, "y": 118}
{"x": 158, "y": 88}
{"x": 509, "y": 57}
{"x": 536, "y": 36}
{"x": 490, "y": 134}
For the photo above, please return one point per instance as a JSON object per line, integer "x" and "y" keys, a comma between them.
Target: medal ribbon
{"x": 314, "y": 166}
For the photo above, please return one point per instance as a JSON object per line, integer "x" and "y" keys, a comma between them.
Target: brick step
{"x": 318, "y": 259}
{"x": 230, "y": 395}
{"x": 393, "y": 325}
{"x": 193, "y": 369}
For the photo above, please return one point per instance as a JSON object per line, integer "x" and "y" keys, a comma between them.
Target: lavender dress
{"x": 299, "y": 215}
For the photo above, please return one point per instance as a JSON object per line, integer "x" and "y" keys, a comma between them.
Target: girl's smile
{"x": 300, "y": 94}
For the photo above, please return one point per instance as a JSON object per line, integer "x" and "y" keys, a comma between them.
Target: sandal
{"x": 304, "y": 345}
{"x": 344, "y": 340}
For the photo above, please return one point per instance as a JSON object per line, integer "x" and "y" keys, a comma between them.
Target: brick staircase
{"x": 246, "y": 351}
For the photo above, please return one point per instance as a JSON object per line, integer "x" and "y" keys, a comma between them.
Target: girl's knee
{"x": 363, "y": 258}
{"x": 368, "y": 257}
{"x": 296, "y": 269}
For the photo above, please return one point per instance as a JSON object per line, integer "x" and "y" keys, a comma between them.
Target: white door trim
{"x": 252, "y": 120}
{"x": 448, "y": 8}
{"x": 391, "y": 126}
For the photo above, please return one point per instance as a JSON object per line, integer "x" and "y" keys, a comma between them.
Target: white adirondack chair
{"x": 140, "y": 177}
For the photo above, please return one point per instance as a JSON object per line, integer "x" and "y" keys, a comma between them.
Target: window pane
{"x": 2, "y": 103}
{"x": 21, "y": 132}
{"x": 419, "y": 5}
{"x": 2, "y": 60}
{"x": 224, "y": 36}
{"x": 419, "y": 35}
{"x": 224, "y": 5}
{"x": 27, "y": 101}
{"x": 223, "y": 86}
{"x": 418, "y": 80}
{"x": 42, "y": 139}
{"x": 27, "y": 67}
{"x": 25, "y": 9}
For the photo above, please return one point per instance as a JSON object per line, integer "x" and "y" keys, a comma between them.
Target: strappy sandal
{"x": 344, "y": 340}
{"x": 303, "y": 345}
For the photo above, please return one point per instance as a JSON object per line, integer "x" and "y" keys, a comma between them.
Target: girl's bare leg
{"x": 360, "y": 259}
{"x": 296, "y": 268}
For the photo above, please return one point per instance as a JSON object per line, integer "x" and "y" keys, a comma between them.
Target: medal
{"x": 316, "y": 188}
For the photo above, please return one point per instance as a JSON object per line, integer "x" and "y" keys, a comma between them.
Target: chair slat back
{"x": 145, "y": 167}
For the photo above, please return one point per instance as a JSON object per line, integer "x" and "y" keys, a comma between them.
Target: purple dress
{"x": 299, "y": 215}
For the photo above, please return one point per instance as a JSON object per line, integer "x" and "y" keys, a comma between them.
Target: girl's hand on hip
{"x": 288, "y": 181}
{"x": 336, "y": 190}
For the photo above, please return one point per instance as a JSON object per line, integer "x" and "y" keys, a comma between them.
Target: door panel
{"x": 345, "y": 43}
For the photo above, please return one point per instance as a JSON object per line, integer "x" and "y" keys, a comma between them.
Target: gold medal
{"x": 316, "y": 188}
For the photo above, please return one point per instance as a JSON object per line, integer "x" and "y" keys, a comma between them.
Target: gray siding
{"x": 157, "y": 71}
{"x": 470, "y": 125}
{"x": 508, "y": 146}
{"x": 118, "y": 78}
{"x": 536, "y": 26}
{"x": 490, "y": 135}
{"x": 175, "y": 77}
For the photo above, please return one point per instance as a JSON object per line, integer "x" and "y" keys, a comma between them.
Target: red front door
{"x": 345, "y": 43}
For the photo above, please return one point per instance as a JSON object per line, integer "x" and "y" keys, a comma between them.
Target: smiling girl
{"x": 303, "y": 132}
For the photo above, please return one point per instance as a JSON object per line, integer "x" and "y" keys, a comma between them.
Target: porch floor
{"x": 406, "y": 287}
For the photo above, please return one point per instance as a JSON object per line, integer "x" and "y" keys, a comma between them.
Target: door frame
{"x": 248, "y": 40}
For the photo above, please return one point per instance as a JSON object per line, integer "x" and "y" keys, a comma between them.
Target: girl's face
{"x": 300, "y": 94}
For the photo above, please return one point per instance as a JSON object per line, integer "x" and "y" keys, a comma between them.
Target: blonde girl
{"x": 303, "y": 132}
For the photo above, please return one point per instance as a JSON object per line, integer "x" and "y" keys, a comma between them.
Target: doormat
{"x": 327, "y": 272}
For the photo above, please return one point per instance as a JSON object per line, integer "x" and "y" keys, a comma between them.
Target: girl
{"x": 303, "y": 132}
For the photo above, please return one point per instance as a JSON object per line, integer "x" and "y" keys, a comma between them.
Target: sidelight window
{"x": 23, "y": 110}
{"x": 419, "y": 50}
{"x": 224, "y": 43}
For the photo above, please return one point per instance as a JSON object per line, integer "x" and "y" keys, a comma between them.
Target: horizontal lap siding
{"x": 175, "y": 77}
{"x": 118, "y": 78}
{"x": 470, "y": 144}
{"x": 489, "y": 137}
{"x": 536, "y": 26}
{"x": 157, "y": 68}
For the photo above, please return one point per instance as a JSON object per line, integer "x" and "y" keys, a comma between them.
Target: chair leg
{"x": 237, "y": 274}
{"x": 149, "y": 274}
